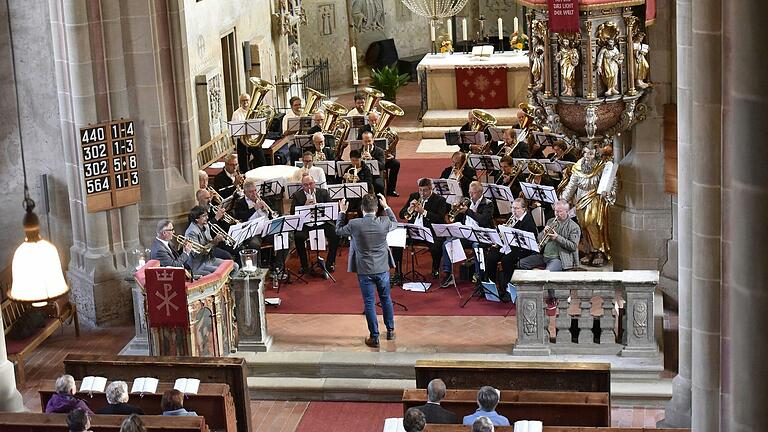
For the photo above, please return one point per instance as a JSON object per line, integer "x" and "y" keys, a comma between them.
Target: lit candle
{"x": 353, "y": 53}
{"x": 141, "y": 262}
{"x": 515, "y": 22}
{"x": 432, "y": 31}
{"x": 249, "y": 262}
{"x": 464, "y": 28}
{"x": 501, "y": 31}
{"x": 450, "y": 30}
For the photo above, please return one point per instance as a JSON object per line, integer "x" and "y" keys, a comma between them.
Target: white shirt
{"x": 289, "y": 115}
{"x": 165, "y": 243}
{"x": 356, "y": 112}
{"x": 310, "y": 197}
{"x": 473, "y": 206}
{"x": 239, "y": 115}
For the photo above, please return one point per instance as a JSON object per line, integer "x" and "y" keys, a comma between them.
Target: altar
{"x": 463, "y": 81}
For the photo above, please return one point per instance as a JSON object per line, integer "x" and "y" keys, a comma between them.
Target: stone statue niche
{"x": 567, "y": 58}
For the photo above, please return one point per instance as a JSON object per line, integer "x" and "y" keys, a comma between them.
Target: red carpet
{"x": 343, "y": 297}
{"x": 348, "y": 416}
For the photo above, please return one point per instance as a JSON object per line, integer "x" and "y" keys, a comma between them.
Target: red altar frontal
{"x": 188, "y": 318}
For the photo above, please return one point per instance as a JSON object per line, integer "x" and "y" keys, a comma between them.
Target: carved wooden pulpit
{"x": 188, "y": 318}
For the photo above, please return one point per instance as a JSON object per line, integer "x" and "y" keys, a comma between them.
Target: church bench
{"x": 551, "y": 407}
{"x": 56, "y": 314}
{"x": 539, "y": 376}
{"x": 229, "y": 370}
{"x": 461, "y": 428}
{"x": 39, "y": 422}
{"x": 212, "y": 401}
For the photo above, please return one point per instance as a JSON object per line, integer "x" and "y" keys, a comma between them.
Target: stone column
{"x": 746, "y": 69}
{"x": 706, "y": 213}
{"x": 10, "y": 398}
{"x": 678, "y": 412}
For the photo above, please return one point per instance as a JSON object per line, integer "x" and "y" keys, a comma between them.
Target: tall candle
{"x": 501, "y": 31}
{"x": 353, "y": 53}
{"x": 432, "y": 31}
{"x": 515, "y": 24}
{"x": 464, "y": 29}
{"x": 450, "y": 30}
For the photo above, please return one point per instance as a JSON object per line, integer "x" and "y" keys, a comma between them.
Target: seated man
{"x": 318, "y": 141}
{"x": 117, "y": 397}
{"x": 172, "y": 404}
{"x": 162, "y": 250}
{"x": 369, "y": 150}
{"x": 359, "y": 104}
{"x": 461, "y": 171}
{"x": 432, "y": 410}
{"x": 558, "y": 243}
{"x": 487, "y": 399}
{"x": 202, "y": 178}
{"x": 64, "y": 400}
{"x": 308, "y": 167}
{"x": 482, "y": 424}
{"x": 423, "y": 207}
{"x": 227, "y": 181}
{"x": 204, "y": 263}
{"x": 358, "y": 172}
{"x": 414, "y": 420}
{"x": 252, "y": 207}
{"x": 480, "y": 210}
{"x": 295, "y": 111}
{"x": 317, "y": 118}
{"x": 307, "y": 195}
{"x": 78, "y": 421}
{"x": 523, "y": 220}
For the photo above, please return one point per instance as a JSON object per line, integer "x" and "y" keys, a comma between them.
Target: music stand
{"x": 537, "y": 192}
{"x": 347, "y": 191}
{"x": 497, "y": 134}
{"x": 247, "y": 127}
{"x": 485, "y": 163}
{"x": 271, "y": 188}
{"x": 447, "y": 188}
{"x": 514, "y": 237}
{"x": 243, "y": 231}
{"x": 483, "y": 236}
{"x": 280, "y": 225}
{"x": 416, "y": 232}
{"x": 464, "y": 139}
{"x": 449, "y": 231}
{"x": 497, "y": 193}
{"x": 545, "y": 139}
{"x": 317, "y": 215}
{"x": 303, "y": 142}
{"x": 296, "y": 125}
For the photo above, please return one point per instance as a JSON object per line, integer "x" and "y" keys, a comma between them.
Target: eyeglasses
{"x": 169, "y": 230}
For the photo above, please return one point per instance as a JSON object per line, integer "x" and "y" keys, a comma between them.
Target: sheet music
{"x": 396, "y": 237}
{"x": 606, "y": 178}
{"x": 317, "y": 239}
{"x": 455, "y": 251}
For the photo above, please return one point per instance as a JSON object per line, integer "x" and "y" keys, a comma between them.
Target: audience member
{"x": 78, "y": 421}
{"x": 432, "y": 410}
{"x": 133, "y": 424}
{"x": 487, "y": 399}
{"x": 414, "y": 420}
{"x": 172, "y": 404}
{"x": 117, "y": 396}
{"x": 482, "y": 424}
{"x": 64, "y": 400}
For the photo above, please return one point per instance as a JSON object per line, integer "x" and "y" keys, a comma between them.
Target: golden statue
{"x": 609, "y": 58}
{"x": 568, "y": 58}
{"x": 641, "y": 60}
{"x": 591, "y": 195}
{"x": 537, "y": 62}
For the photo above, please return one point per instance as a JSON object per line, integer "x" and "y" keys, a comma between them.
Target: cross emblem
{"x": 166, "y": 298}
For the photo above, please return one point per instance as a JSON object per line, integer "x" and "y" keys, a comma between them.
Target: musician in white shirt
{"x": 295, "y": 111}
{"x": 246, "y": 153}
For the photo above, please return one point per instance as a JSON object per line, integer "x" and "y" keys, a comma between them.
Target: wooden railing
{"x": 586, "y": 332}
{"x": 215, "y": 149}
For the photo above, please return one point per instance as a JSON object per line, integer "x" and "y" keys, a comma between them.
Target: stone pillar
{"x": 678, "y": 412}
{"x": 248, "y": 294}
{"x": 706, "y": 213}
{"x": 10, "y": 398}
{"x": 746, "y": 68}
{"x": 532, "y": 320}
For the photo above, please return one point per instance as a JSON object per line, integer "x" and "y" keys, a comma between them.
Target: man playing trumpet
{"x": 391, "y": 164}
{"x": 310, "y": 194}
{"x": 229, "y": 179}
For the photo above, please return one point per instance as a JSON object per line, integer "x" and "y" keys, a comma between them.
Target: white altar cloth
{"x": 511, "y": 59}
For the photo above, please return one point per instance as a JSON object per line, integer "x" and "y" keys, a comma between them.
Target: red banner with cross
{"x": 563, "y": 15}
{"x": 481, "y": 88}
{"x": 166, "y": 297}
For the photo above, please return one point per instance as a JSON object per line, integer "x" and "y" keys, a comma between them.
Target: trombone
{"x": 217, "y": 231}
{"x": 196, "y": 247}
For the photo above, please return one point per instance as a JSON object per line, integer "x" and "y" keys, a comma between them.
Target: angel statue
{"x": 641, "y": 60}
{"x": 609, "y": 58}
{"x": 537, "y": 61}
{"x": 568, "y": 58}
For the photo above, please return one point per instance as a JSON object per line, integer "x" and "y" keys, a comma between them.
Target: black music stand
{"x": 297, "y": 125}
{"x": 347, "y": 191}
{"x": 280, "y": 225}
{"x": 465, "y": 139}
{"x": 498, "y": 193}
{"x": 538, "y": 192}
{"x": 447, "y": 188}
{"x": 513, "y": 237}
{"x": 416, "y": 233}
{"x": 483, "y": 236}
{"x": 485, "y": 163}
{"x": 317, "y": 215}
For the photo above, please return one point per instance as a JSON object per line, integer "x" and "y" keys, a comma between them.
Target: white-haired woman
{"x": 117, "y": 396}
{"x": 64, "y": 400}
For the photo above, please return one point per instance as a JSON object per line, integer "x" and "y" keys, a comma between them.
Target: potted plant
{"x": 389, "y": 80}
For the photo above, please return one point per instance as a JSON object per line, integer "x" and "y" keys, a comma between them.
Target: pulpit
{"x": 199, "y": 323}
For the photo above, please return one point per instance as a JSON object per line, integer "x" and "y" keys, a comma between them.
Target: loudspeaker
{"x": 247, "y": 55}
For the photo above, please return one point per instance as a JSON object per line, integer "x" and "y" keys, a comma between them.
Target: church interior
{"x": 397, "y": 215}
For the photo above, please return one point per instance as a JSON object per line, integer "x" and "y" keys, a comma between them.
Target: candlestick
{"x": 353, "y": 53}
{"x": 464, "y": 28}
{"x": 501, "y": 31}
{"x": 432, "y": 31}
{"x": 450, "y": 30}
{"x": 515, "y": 24}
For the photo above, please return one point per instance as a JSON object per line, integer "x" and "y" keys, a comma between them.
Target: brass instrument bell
{"x": 372, "y": 96}
{"x": 314, "y": 98}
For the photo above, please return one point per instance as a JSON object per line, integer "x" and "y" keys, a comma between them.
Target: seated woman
{"x": 78, "y": 421}
{"x": 117, "y": 396}
{"x": 133, "y": 424}
{"x": 172, "y": 404}
{"x": 64, "y": 400}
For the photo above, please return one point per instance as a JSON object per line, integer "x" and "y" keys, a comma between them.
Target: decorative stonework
{"x": 640, "y": 320}
{"x": 215, "y": 104}
{"x": 367, "y": 15}
{"x": 529, "y": 317}
{"x": 327, "y": 22}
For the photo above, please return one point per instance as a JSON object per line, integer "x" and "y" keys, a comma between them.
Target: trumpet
{"x": 217, "y": 231}
{"x": 456, "y": 208}
{"x": 215, "y": 196}
{"x": 412, "y": 208}
{"x": 511, "y": 221}
{"x": 196, "y": 247}
{"x": 366, "y": 155}
{"x": 318, "y": 156}
{"x": 227, "y": 217}
{"x": 550, "y": 228}
{"x": 272, "y": 214}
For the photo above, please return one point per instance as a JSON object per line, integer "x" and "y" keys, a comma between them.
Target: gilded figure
{"x": 568, "y": 58}
{"x": 609, "y": 58}
{"x": 641, "y": 60}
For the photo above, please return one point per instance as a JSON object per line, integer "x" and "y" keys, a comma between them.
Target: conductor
{"x": 369, "y": 258}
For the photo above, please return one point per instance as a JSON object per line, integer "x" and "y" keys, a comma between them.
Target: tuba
{"x": 372, "y": 96}
{"x": 526, "y": 122}
{"x": 382, "y": 130}
{"x": 483, "y": 119}
{"x": 314, "y": 98}
{"x": 256, "y": 109}
{"x": 335, "y": 124}
{"x": 535, "y": 168}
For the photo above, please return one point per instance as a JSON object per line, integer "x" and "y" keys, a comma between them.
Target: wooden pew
{"x": 228, "y": 370}
{"x": 460, "y": 428}
{"x": 212, "y": 401}
{"x": 39, "y": 422}
{"x": 552, "y": 408}
{"x": 542, "y": 376}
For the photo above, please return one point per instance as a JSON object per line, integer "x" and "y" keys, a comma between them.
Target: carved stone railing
{"x": 586, "y": 318}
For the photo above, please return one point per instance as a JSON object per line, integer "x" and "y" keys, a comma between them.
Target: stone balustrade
{"x": 585, "y": 322}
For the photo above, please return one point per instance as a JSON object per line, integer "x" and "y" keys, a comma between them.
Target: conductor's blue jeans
{"x": 380, "y": 283}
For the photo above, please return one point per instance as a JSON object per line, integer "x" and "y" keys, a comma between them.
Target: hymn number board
{"x": 110, "y": 165}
